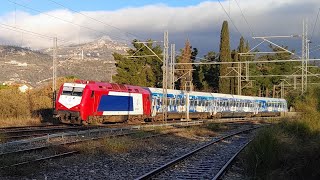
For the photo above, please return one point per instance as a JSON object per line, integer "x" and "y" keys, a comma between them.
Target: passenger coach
{"x": 87, "y": 101}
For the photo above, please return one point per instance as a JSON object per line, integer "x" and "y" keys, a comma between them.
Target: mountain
{"x": 90, "y": 61}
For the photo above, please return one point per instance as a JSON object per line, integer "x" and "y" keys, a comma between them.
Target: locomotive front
{"x": 68, "y": 103}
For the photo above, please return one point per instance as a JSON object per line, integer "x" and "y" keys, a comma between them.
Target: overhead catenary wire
{"x": 97, "y": 20}
{"x": 17, "y": 29}
{"x": 315, "y": 24}
{"x": 229, "y": 18}
{"x": 67, "y": 21}
{"x": 244, "y": 17}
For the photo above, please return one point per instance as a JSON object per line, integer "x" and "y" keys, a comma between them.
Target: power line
{"x": 315, "y": 24}
{"x": 229, "y": 18}
{"x": 93, "y": 18}
{"x": 35, "y": 10}
{"x": 245, "y": 18}
{"x": 12, "y": 28}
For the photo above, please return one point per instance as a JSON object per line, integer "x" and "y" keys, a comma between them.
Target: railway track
{"x": 30, "y": 132}
{"x": 206, "y": 162}
{"x": 66, "y": 153}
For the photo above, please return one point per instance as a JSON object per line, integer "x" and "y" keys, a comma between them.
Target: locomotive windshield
{"x": 72, "y": 91}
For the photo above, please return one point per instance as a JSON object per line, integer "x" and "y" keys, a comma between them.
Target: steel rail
{"x": 41, "y": 159}
{"x": 54, "y": 156}
{"x": 185, "y": 156}
{"x": 70, "y": 152}
{"x": 62, "y": 144}
{"x": 227, "y": 165}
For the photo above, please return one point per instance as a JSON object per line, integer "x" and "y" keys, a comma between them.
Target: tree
{"x": 185, "y": 74}
{"x": 141, "y": 71}
{"x": 225, "y": 56}
{"x": 211, "y": 73}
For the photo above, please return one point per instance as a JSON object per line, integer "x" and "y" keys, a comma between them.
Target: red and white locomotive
{"x": 88, "y": 101}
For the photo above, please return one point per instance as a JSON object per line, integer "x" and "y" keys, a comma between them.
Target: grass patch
{"x": 10, "y": 122}
{"x": 140, "y": 134}
{"x": 110, "y": 145}
{"x": 289, "y": 149}
{"x": 195, "y": 132}
{"x": 216, "y": 126}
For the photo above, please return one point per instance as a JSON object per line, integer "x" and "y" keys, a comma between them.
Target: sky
{"x": 23, "y": 21}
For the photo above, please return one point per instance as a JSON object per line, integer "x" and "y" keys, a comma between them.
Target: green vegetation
{"x": 290, "y": 149}
{"x": 185, "y": 72}
{"x": 142, "y": 70}
{"x": 216, "y": 126}
{"x": 30, "y": 108}
{"x": 225, "y": 56}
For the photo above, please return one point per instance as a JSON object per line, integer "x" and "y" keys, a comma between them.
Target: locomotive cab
{"x": 68, "y": 103}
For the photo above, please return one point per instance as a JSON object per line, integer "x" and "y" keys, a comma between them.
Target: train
{"x": 83, "y": 102}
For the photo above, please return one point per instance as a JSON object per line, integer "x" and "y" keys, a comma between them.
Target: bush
{"x": 33, "y": 105}
{"x": 290, "y": 149}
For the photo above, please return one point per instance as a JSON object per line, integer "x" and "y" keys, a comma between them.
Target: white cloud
{"x": 200, "y": 23}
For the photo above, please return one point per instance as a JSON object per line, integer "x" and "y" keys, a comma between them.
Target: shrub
{"x": 290, "y": 149}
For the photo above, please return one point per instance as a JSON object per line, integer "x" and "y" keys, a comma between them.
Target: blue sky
{"x": 89, "y": 5}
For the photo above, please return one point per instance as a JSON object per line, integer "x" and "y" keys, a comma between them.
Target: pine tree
{"x": 225, "y": 56}
{"x": 186, "y": 69}
{"x": 142, "y": 71}
{"x": 211, "y": 73}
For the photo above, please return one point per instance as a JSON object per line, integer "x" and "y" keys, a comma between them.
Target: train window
{"x": 77, "y": 91}
{"x": 92, "y": 94}
{"x": 67, "y": 90}
{"x": 183, "y": 101}
{"x": 154, "y": 101}
{"x": 73, "y": 91}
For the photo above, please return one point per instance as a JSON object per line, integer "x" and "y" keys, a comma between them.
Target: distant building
{"x": 24, "y": 88}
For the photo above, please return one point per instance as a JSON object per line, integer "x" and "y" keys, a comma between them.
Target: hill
{"x": 91, "y": 60}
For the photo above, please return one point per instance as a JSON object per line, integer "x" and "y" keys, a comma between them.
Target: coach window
{"x": 191, "y": 102}
{"x": 183, "y": 101}
{"x": 173, "y": 101}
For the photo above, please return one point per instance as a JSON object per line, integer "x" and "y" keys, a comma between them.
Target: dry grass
{"x": 122, "y": 144}
{"x": 13, "y": 122}
{"x": 290, "y": 149}
{"x": 195, "y": 132}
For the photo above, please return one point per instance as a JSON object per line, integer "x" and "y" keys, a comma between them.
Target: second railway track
{"x": 206, "y": 162}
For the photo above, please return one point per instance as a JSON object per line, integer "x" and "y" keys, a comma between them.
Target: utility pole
{"x": 304, "y": 57}
{"x": 54, "y": 71}
{"x": 172, "y": 68}
{"x": 282, "y": 89}
{"x": 165, "y": 69}
{"x": 239, "y": 79}
{"x": 188, "y": 88}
